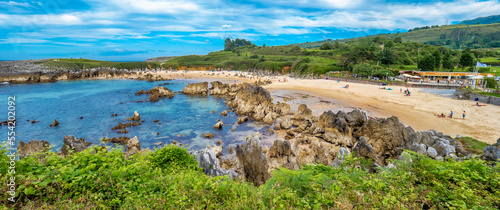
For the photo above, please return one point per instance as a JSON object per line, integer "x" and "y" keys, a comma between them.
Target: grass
{"x": 472, "y": 145}
{"x": 168, "y": 178}
{"x": 489, "y": 94}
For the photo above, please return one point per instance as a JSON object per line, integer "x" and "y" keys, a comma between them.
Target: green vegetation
{"x": 482, "y": 20}
{"x": 472, "y": 145}
{"x": 168, "y": 178}
{"x": 452, "y": 36}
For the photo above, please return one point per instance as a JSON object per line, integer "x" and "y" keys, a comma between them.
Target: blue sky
{"x": 134, "y": 30}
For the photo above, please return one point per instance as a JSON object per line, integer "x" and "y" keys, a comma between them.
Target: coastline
{"x": 418, "y": 110}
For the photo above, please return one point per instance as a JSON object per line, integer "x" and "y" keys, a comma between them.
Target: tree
{"x": 447, "y": 63}
{"x": 363, "y": 70}
{"x": 398, "y": 40}
{"x": 426, "y": 63}
{"x": 336, "y": 45}
{"x": 326, "y": 46}
{"x": 387, "y": 57}
{"x": 437, "y": 59}
{"x": 466, "y": 60}
{"x": 389, "y": 44}
{"x": 264, "y": 45}
{"x": 229, "y": 45}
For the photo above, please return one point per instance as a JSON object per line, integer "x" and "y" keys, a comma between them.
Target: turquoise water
{"x": 96, "y": 100}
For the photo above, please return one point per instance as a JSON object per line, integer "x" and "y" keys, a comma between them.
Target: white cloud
{"x": 15, "y": 4}
{"x": 21, "y": 41}
{"x": 226, "y": 26}
{"x": 155, "y": 6}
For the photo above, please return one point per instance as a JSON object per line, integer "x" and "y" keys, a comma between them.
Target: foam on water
{"x": 96, "y": 100}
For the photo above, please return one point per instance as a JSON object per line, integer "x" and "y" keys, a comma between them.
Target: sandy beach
{"x": 419, "y": 110}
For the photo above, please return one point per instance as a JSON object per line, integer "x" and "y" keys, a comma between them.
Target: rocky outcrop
{"x": 152, "y": 78}
{"x": 208, "y": 135}
{"x": 219, "y": 125}
{"x": 73, "y": 144}
{"x": 341, "y": 156}
{"x": 156, "y": 93}
{"x": 224, "y": 113}
{"x": 196, "y": 89}
{"x": 136, "y": 117}
{"x": 207, "y": 159}
{"x": 283, "y": 124}
{"x": 282, "y": 109}
{"x": 32, "y": 147}
{"x": 242, "y": 119}
{"x": 253, "y": 160}
{"x": 281, "y": 155}
{"x": 492, "y": 152}
{"x": 120, "y": 140}
{"x": 54, "y": 124}
{"x": 302, "y": 113}
{"x": 363, "y": 148}
{"x": 219, "y": 88}
{"x": 133, "y": 146}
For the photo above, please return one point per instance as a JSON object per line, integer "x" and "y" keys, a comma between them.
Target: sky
{"x": 134, "y": 30}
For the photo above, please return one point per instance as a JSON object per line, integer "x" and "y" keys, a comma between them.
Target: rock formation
{"x": 219, "y": 88}
{"x": 492, "y": 152}
{"x": 133, "y": 146}
{"x": 54, "y": 124}
{"x": 136, "y": 117}
{"x": 207, "y": 159}
{"x": 219, "y": 125}
{"x": 120, "y": 140}
{"x": 157, "y": 92}
{"x": 196, "y": 88}
{"x": 73, "y": 144}
{"x": 32, "y": 147}
{"x": 253, "y": 160}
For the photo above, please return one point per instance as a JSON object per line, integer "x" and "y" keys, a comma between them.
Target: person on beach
{"x": 451, "y": 114}
{"x": 400, "y": 90}
{"x": 463, "y": 116}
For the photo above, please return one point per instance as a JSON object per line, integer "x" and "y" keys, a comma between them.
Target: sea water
{"x": 97, "y": 100}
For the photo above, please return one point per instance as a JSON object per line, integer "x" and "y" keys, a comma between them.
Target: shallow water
{"x": 441, "y": 92}
{"x": 96, "y": 100}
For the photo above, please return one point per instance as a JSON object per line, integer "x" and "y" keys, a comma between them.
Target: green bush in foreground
{"x": 153, "y": 180}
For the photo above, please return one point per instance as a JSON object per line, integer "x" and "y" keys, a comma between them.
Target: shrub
{"x": 172, "y": 156}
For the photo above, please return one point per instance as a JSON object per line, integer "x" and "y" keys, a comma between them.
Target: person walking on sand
{"x": 451, "y": 114}
{"x": 463, "y": 116}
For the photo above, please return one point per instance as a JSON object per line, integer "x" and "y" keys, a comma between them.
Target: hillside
{"x": 482, "y": 20}
{"x": 452, "y": 36}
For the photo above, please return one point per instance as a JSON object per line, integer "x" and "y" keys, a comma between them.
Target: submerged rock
{"x": 207, "y": 135}
{"x": 120, "y": 140}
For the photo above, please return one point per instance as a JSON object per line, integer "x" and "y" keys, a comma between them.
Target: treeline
{"x": 422, "y": 28}
{"x": 230, "y": 44}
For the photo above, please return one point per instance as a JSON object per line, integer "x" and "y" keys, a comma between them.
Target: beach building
{"x": 440, "y": 75}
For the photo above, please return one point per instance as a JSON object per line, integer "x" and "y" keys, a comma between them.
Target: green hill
{"x": 452, "y": 36}
{"x": 482, "y": 20}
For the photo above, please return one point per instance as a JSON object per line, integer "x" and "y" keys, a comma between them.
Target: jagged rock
{"x": 341, "y": 155}
{"x": 242, "y": 119}
{"x": 196, "y": 88}
{"x": 224, "y": 113}
{"x": 120, "y": 140}
{"x": 282, "y": 109}
{"x": 230, "y": 150}
{"x": 122, "y": 131}
{"x": 363, "y": 148}
{"x": 208, "y": 135}
{"x": 271, "y": 131}
{"x": 418, "y": 148}
{"x": 432, "y": 152}
{"x": 302, "y": 113}
{"x": 54, "y": 124}
{"x": 73, "y": 144}
{"x": 121, "y": 126}
{"x": 218, "y": 125}
{"x": 443, "y": 147}
{"x": 281, "y": 155}
{"x": 133, "y": 146}
{"x": 219, "y": 88}
{"x": 207, "y": 159}
{"x": 136, "y": 123}
{"x": 492, "y": 152}
{"x": 32, "y": 147}
{"x": 157, "y": 92}
{"x": 269, "y": 118}
{"x": 136, "y": 117}
{"x": 253, "y": 160}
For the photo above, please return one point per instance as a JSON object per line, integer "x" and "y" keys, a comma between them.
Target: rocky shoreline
{"x": 326, "y": 139}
